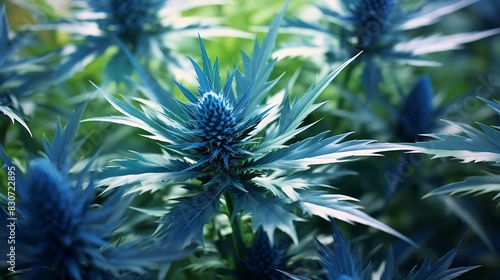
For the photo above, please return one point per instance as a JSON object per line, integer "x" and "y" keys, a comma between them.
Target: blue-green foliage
{"x": 244, "y": 162}
{"x": 19, "y": 77}
{"x": 62, "y": 232}
{"x": 476, "y": 146}
{"x": 231, "y": 141}
{"x": 342, "y": 263}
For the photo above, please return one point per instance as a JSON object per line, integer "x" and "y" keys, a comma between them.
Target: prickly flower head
{"x": 372, "y": 17}
{"x": 215, "y": 124}
{"x": 130, "y": 16}
{"x": 128, "y": 19}
{"x": 264, "y": 257}
{"x": 52, "y": 224}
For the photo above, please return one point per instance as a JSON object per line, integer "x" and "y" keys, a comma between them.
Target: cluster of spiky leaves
{"x": 62, "y": 233}
{"x": 18, "y": 76}
{"x": 342, "y": 263}
{"x": 147, "y": 28}
{"x": 476, "y": 146}
{"x": 379, "y": 28}
{"x": 259, "y": 168}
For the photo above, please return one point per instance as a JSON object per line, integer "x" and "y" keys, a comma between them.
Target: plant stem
{"x": 235, "y": 223}
{"x": 4, "y": 126}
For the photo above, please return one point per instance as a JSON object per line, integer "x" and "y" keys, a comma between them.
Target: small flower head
{"x": 372, "y": 17}
{"x": 216, "y": 124}
{"x": 417, "y": 111}
{"x": 128, "y": 19}
{"x": 53, "y": 222}
{"x": 264, "y": 257}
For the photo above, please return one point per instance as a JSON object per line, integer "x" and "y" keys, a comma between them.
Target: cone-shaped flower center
{"x": 265, "y": 257}
{"x": 130, "y": 18}
{"x": 417, "y": 111}
{"x": 372, "y": 17}
{"x": 215, "y": 120}
{"x": 50, "y": 202}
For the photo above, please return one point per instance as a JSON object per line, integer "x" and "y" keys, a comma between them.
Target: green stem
{"x": 4, "y": 126}
{"x": 235, "y": 223}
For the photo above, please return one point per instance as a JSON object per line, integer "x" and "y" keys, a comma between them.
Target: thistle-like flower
{"x": 378, "y": 28}
{"x": 372, "y": 18}
{"x": 263, "y": 258}
{"x": 417, "y": 112}
{"x": 147, "y": 28}
{"x": 238, "y": 147}
{"x": 216, "y": 126}
{"x": 62, "y": 233}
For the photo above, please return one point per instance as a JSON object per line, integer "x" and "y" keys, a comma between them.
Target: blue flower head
{"x": 53, "y": 223}
{"x": 371, "y": 18}
{"x": 128, "y": 20}
{"x": 417, "y": 112}
{"x": 262, "y": 259}
{"x": 216, "y": 125}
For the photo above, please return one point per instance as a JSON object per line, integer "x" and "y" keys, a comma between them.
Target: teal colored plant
{"x": 240, "y": 148}
{"x": 187, "y": 160}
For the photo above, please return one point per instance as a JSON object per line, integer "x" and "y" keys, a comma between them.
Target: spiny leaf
{"x": 342, "y": 262}
{"x": 440, "y": 270}
{"x": 336, "y": 206}
{"x": 184, "y": 223}
{"x": 316, "y": 150}
{"x": 14, "y": 116}
{"x": 269, "y": 212}
{"x": 257, "y": 69}
{"x": 293, "y": 115}
{"x": 145, "y": 169}
{"x": 63, "y": 145}
{"x": 472, "y": 185}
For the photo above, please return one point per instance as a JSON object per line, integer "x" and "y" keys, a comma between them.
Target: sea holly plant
{"x": 148, "y": 28}
{"x": 380, "y": 29}
{"x": 475, "y": 146}
{"x": 240, "y": 150}
{"x": 62, "y": 231}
